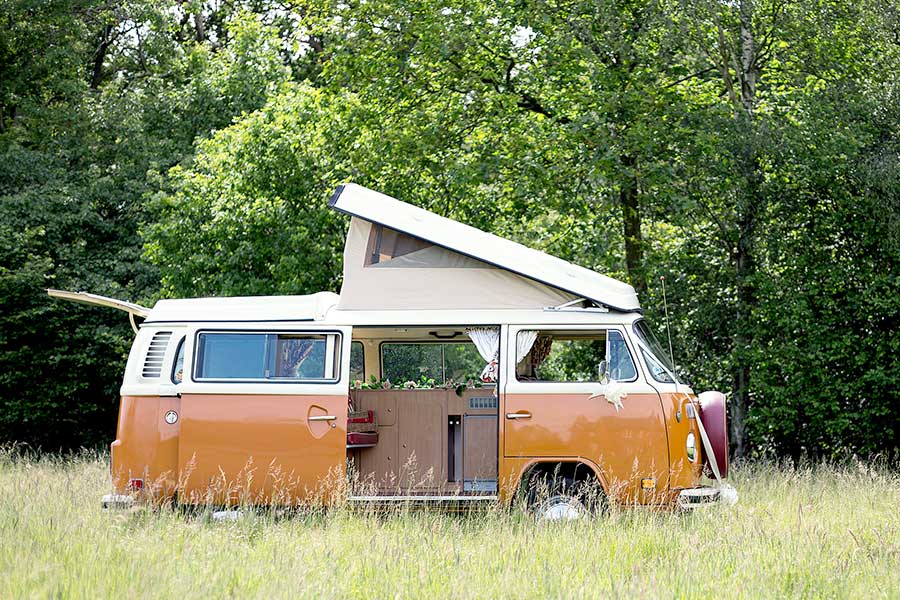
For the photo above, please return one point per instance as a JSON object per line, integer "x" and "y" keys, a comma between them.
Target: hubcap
{"x": 561, "y": 508}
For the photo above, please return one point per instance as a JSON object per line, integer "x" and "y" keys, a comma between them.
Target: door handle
{"x": 519, "y": 415}
{"x": 323, "y": 418}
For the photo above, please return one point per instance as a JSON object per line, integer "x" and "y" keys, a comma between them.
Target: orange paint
{"x": 623, "y": 446}
{"x": 146, "y": 447}
{"x": 264, "y": 448}
{"x": 682, "y": 472}
{"x": 261, "y": 448}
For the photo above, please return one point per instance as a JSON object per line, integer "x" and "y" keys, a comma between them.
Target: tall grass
{"x": 817, "y": 531}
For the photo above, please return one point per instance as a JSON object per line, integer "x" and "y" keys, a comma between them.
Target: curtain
{"x": 541, "y": 350}
{"x": 487, "y": 341}
{"x": 524, "y": 341}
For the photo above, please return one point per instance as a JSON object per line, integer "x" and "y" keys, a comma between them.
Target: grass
{"x": 811, "y": 532}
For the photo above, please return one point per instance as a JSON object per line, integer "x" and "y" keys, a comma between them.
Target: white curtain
{"x": 524, "y": 341}
{"x": 487, "y": 340}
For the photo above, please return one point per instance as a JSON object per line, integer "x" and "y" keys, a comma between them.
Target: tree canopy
{"x": 748, "y": 152}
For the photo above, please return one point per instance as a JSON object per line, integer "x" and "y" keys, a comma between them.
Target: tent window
{"x": 387, "y": 244}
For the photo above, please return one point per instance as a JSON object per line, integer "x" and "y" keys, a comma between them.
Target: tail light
{"x": 136, "y": 485}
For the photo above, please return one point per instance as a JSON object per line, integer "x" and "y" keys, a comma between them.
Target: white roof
{"x": 383, "y": 210}
{"x": 246, "y": 308}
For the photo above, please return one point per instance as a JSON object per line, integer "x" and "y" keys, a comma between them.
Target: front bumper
{"x": 117, "y": 501}
{"x": 692, "y": 498}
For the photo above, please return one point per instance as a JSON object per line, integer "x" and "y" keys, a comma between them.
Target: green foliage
{"x": 151, "y": 150}
{"x": 76, "y": 167}
{"x": 247, "y": 217}
{"x": 448, "y": 364}
{"x": 573, "y": 360}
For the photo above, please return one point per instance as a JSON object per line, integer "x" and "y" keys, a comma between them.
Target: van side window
{"x": 621, "y": 366}
{"x": 573, "y": 356}
{"x": 656, "y": 370}
{"x": 445, "y": 363}
{"x": 178, "y": 365}
{"x": 357, "y": 362}
{"x": 267, "y": 356}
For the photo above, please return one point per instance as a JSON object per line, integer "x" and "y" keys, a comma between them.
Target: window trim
{"x": 565, "y": 329}
{"x": 337, "y": 345}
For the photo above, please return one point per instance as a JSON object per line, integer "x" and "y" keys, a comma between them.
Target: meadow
{"x": 816, "y": 531}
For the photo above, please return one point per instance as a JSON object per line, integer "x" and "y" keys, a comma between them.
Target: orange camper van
{"x": 455, "y": 366}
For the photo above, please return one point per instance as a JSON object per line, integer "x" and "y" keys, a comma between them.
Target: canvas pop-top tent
{"x": 398, "y": 256}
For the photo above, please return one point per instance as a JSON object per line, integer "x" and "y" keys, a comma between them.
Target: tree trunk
{"x": 199, "y": 26}
{"x": 747, "y": 210}
{"x": 745, "y": 267}
{"x": 106, "y": 39}
{"x": 631, "y": 223}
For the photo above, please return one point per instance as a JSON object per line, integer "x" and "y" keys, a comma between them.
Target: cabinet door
{"x": 479, "y": 448}
{"x": 423, "y": 440}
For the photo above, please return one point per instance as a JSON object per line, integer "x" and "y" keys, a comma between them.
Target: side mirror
{"x": 603, "y": 371}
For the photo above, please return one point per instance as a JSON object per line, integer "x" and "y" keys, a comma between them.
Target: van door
{"x": 264, "y": 415}
{"x": 555, "y": 406}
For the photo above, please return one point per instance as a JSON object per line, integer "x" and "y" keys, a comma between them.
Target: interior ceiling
{"x": 442, "y": 334}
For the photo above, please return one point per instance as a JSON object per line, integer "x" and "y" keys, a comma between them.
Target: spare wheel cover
{"x": 713, "y": 413}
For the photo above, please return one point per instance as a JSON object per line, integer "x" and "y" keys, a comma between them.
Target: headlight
{"x": 691, "y": 447}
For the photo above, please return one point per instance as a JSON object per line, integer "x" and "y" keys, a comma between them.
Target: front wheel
{"x": 560, "y": 507}
{"x": 554, "y": 498}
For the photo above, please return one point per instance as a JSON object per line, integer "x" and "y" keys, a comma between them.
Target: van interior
{"x": 421, "y": 422}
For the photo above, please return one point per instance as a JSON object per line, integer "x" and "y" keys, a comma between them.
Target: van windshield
{"x": 659, "y": 354}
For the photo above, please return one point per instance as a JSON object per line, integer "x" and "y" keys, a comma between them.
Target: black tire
{"x": 549, "y": 496}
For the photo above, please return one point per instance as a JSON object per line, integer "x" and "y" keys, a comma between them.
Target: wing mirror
{"x": 603, "y": 372}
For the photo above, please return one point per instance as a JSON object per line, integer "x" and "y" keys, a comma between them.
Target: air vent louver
{"x": 155, "y": 354}
{"x": 483, "y": 402}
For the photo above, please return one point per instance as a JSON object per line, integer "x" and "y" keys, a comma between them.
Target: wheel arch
{"x": 578, "y": 468}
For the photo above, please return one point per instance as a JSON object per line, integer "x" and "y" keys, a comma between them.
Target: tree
{"x": 101, "y": 96}
{"x": 794, "y": 141}
{"x": 594, "y": 80}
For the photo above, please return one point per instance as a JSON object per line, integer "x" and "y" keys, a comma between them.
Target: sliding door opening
{"x": 423, "y": 415}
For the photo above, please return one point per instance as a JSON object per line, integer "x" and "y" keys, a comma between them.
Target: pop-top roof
{"x": 381, "y": 209}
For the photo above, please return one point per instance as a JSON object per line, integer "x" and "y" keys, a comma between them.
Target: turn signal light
{"x": 648, "y": 484}
{"x": 690, "y": 447}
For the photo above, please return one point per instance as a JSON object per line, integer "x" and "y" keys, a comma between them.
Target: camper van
{"x": 454, "y": 366}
